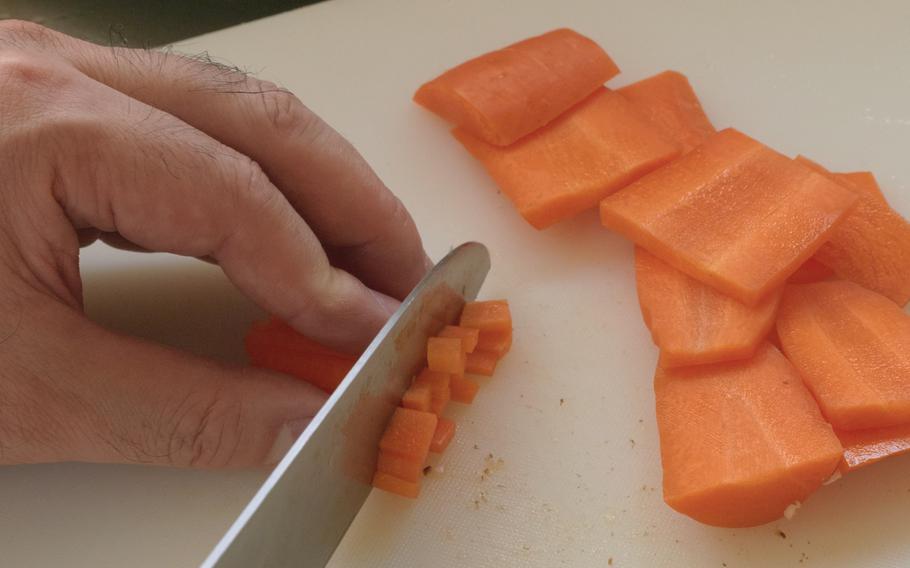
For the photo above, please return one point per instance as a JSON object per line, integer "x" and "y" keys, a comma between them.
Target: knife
{"x": 300, "y": 513}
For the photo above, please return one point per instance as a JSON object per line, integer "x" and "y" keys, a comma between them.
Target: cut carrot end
{"x": 395, "y": 485}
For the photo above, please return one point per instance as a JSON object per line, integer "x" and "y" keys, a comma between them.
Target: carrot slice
{"x": 418, "y": 397}
{"x": 445, "y": 355}
{"x": 408, "y": 434}
{"x": 481, "y": 363}
{"x": 731, "y": 213}
{"x": 864, "y": 182}
{"x": 464, "y": 389}
{"x": 407, "y": 469}
{"x": 694, "y": 324}
{"x": 740, "y": 441}
{"x": 467, "y": 335}
{"x": 276, "y": 346}
{"x": 392, "y": 484}
{"x": 509, "y": 93}
{"x": 445, "y": 431}
{"x": 851, "y": 347}
{"x": 566, "y": 167}
{"x": 490, "y": 315}
{"x": 669, "y": 103}
{"x": 809, "y": 272}
{"x": 439, "y": 387}
{"x": 498, "y": 342}
{"x": 865, "y": 447}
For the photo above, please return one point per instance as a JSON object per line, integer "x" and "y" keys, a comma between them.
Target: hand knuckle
{"x": 202, "y": 430}
{"x": 288, "y": 117}
{"x": 24, "y": 71}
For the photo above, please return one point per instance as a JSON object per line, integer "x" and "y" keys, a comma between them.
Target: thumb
{"x": 93, "y": 395}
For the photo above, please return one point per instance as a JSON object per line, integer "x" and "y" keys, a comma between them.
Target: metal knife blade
{"x": 300, "y": 513}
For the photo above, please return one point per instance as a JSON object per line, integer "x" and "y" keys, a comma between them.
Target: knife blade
{"x": 302, "y": 510}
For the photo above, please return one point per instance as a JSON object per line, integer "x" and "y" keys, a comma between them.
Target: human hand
{"x": 160, "y": 152}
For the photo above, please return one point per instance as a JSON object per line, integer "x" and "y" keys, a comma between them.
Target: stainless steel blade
{"x": 300, "y": 513}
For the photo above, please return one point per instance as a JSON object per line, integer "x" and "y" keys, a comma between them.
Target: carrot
{"x": 408, "y": 434}
{"x": 464, "y": 389}
{"x": 439, "y": 388}
{"x": 740, "y": 441}
{"x": 276, "y": 346}
{"x": 445, "y": 431}
{"x": 498, "y": 342}
{"x": 566, "y": 167}
{"x": 487, "y": 316}
{"x": 506, "y": 94}
{"x": 694, "y": 324}
{"x": 865, "y": 447}
{"x": 467, "y": 335}
{"x": 668, "y": 102}
{"x": 862, "y": 181}
{"x": 809, "y": 272}
{"x": 406, "y": 469}
{"x": 851, "y": 347}
{"x": 445, "y": 355}
{"x": 732, "y": 213}
{"x": 418, "y": 397}
{"x": 395, "y": 485}
{"x": 481, "y": 363}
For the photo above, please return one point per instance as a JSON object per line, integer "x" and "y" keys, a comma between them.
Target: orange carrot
{"x": 445, "y": 431}
{"x": 740, "y": 441}
{"x": 851, "y": 347}
{"x": 464, "y": 389}
{"x": 392, "y": 484}
{"x": 669, "y": 103}
{"x": 865, "y": 447}
{"x": 445, "y": 355}
{"x": 732, "y": 213}
{"x": 566, "y": 167}
{"x": 418, "y": 397}
{"x": 490, "y": 315}
{"x": 506, "y": 94}
{"x": 467, "y": 335}
{"x": 862, "y": 181}
{"x": 439, "y": 388}
{"x": 694, "y": 324}
{"x": 408, "y": 434}
{"x": 481, "y": 363}
{"x": 809, "y": 272}
{"x": 498, "y": 342}
{"x": 406, "y": 469}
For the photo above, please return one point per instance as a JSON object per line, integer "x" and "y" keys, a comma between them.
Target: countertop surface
{"x": 556, "y": 463}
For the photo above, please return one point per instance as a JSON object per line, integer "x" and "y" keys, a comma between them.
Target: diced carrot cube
{"x": 492, "y": 315}
{"x": 439, "y": 388}
{"x": 498, "y": 342}
{"x": 481, "y": 363}
{"x": 445, "y": 431}
{"x": 445, "y": 355}
{"x": 409, "y": 433}
{"x": 418, "y": 397}
{"x": 406, "y": 469}
{"x": 395, "y": 485}
{"x": 463, "y": 389}
{"x": 467, "y": 335}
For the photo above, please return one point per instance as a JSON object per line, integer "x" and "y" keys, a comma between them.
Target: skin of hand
{"x": 154, "y": 151}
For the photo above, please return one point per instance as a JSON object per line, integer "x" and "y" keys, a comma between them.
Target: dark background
{"x": 142, "y": 23}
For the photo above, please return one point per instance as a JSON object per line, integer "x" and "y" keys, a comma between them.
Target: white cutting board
{"x": 570, "y": 411}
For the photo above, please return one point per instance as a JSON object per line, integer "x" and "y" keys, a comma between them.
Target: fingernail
{"x": 286, "y": 437}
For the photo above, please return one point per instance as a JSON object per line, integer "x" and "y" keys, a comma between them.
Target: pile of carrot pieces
{"x": 773, "y": 287}
{"x": 417, "y": 428}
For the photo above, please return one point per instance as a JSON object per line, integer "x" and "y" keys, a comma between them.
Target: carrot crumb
{"x": 781, "y": 533}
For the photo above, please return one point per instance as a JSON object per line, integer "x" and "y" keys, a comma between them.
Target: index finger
{"x": 365, "y": 229}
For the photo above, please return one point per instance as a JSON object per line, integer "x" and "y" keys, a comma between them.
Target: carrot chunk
{"x": 741, "y": 441}
{"x": 407, "y": 469}
{"x": 445, "y": 355}
{"x": 732, "y": 213}
{"x": 851, "y": 347}
{"x": 865, "y": 447}
{"x": 490, "y": 315}
{"x": 566, "y": 167}
{"x": 694, "y": 324}
{"x": 439, "y": 388}
{"x": 467, "y": 335}
{"x": 498, "y": 342}
{"x": 669, "y": 103}
{"x": 392, "y": 484}
{"x": 481, "y": 363}
{"x": 445, "y": 431}
{"x": 408, "y": 434}
{"x": 418, "y": 397}
{"x": 464, "y": 389}
{"x": 506, "y": 94}
{"x": 809, "y": 272}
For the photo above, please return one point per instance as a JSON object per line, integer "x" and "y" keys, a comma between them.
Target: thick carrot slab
{"x": 392, "y": 484}
{"x": 445, "y": 431}
{"x": 565, "y": 168}
{"x": 852, "y": 347}
{"x": 741, "y": 441}
{"x": 694, "y": 324}
{"x": 276, "y": 346}
{"x": 504, "y": 95}
{"x": 865, "y": 447}
{"x": 732, "y": 213}
{"x": 669, "y": 103}
{"x": 468, "y": 336}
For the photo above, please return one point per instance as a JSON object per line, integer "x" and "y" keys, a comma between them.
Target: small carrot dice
{"x": 492, "y": 315}
{"x": 392, "y": 484}
{"x": 468, "y": 336}
{"x": 498, "y": 342}
{"x": 406, "y": 469}
{"x": 463, "y": 389}
{"x": 445, "y": 355}
{"x": 409, "y": 434}
{"x": 418, "y": 397}
{"x": 481, "y": 363}
{"x": 445, "y": 431}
